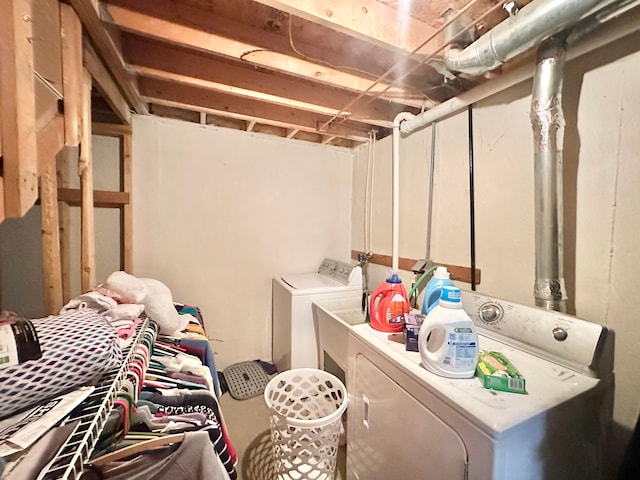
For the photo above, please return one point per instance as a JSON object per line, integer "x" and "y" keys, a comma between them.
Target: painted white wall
{"x": 219, "y": 213}
{"x": 602, "y": 203}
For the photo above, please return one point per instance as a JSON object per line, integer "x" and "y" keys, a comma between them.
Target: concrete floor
{"x": 248, "y": 424}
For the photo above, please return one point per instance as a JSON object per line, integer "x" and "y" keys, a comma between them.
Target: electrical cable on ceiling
{"x": 453, "y": 18}
{"x": 336, "y": 67}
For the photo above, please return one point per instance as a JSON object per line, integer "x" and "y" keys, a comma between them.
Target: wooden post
{"x": 51, "y": 266}
{"x": 85, "y": 171}
{"x": 17, "y": 108}
{"x": 64, "y": 222}
{"x": 71, "y": 33}
{"x": 127, "y": 210}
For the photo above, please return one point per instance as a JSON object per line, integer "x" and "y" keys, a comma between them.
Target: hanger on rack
{"x": 138, "y": 448}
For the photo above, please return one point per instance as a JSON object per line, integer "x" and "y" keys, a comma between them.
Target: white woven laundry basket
{"x": 306, "y": 408}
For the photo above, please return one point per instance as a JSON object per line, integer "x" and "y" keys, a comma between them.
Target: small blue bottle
{"x": 434, "y": 288}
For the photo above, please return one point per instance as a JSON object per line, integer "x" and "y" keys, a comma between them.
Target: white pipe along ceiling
{"x": 524, "y": 29}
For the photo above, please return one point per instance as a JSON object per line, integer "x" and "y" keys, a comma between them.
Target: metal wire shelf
{"x": 92, "y": 415}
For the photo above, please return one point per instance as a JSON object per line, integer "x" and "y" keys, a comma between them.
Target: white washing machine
{"x": 294, "y": 333}
{"x": 406, "y": 422}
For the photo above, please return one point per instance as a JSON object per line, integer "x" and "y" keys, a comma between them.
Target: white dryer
{"x": 294, "y": 333}
{"x": 405, "y": 422}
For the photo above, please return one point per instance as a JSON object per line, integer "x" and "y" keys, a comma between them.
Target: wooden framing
{"x": 85, "y": 171}
{"x": 51, "y": 264}
{"x": 369, "y": 20}
{"x": 71, "y": 32}
{"x": 105, "y": 84}
{"x": 120, "y": 199}
{"x": 87, "y": 10}
{"x": 17, "y": 100}
{"x": 457, "y": 272}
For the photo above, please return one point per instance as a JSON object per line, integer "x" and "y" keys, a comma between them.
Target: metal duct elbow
{"x": 536, "y": 21}
{"x": 548, "y": 127}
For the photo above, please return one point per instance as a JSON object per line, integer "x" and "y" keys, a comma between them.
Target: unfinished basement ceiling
{"x": 327, "y": 71}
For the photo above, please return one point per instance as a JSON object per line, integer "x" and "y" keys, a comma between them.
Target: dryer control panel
{"x": 561, "y": 338}
{"x": 342, "y": 272}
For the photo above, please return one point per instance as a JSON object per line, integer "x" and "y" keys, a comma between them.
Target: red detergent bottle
{"x": 388, "y": 304}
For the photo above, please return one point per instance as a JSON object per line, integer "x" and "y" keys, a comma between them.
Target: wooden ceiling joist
{"x": 184, "y": 96}
{"x": 105, "y": 47}
{"x": 147, "y": 56}
{"x": 253, "y": 53}
{"x": 369, "y": 20}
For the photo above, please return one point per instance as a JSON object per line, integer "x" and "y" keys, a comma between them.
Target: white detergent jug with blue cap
{"x": 448, "y": 341}
{"x": 434, "y": 289}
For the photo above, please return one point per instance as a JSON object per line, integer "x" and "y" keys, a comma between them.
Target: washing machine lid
{"x": 312, "y": 281}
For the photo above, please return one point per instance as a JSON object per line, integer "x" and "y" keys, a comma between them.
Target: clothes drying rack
{"x": 92, "y": 415}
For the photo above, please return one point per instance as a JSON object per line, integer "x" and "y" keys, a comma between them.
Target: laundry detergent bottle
{"x": 434, "y": 289}
{"x": 448, "y": 341}
{"x": 388, "y": 304}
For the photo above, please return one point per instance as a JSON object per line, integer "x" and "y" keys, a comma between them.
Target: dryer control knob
{"x": 560, "y": 334}
{"x": 490, "y": 312}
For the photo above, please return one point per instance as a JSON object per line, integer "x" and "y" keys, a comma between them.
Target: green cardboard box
{"x": 496, "y": 372}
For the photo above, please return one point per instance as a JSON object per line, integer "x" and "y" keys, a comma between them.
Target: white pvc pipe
{"x": 395, "y": 194}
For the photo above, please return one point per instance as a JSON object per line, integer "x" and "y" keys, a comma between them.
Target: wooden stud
{"x": 62, "y": 171}
{"x": 17, "y": 108}
{"x": 292, "y": 133}
{"x": 85, "y": 171}
{"x": 101, "y": 198}
{"x": 51, "y": 264}
{"x": 50, "y": 141}
{"x": 127, "y": 209}
{"x": 105, "y": 84}
{"x": 71, "y": 33}
{"x": 110, "y": 129}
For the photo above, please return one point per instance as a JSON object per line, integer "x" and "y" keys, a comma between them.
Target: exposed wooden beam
{"x": 51, "y": 264}
{"x": 184, "y": 96}
{"x": 105, "y": 47}
{"x": 110, "y": 129}
{"x": 17, "y": 102}
{"x": 233, "y": 90}
{"x": 50, "y": 141}
{"x": 368, "y": 20}
{"x": 146, "y": 55}
{"x": 194, "y": 38}
{"x": 105, "y": 84}
{"x": 251, "y": 125}
{"x": 85, "y": 172}
{"x": 292, "y": 133}
{"x": 71, "y": 34}
{"x": 328, "y": 139}
{"x": 101, "y": 198}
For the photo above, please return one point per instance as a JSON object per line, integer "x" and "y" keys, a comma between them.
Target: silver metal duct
{"x": 536, "y": 21}
{"x": 548, "y": 127}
